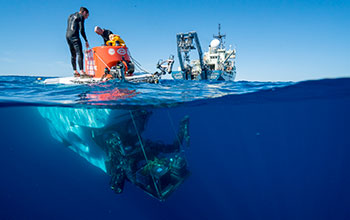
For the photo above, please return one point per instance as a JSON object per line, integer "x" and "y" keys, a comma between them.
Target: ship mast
{"x": 220, "y": 37}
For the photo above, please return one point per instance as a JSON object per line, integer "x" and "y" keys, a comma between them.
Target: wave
{"x": 28, "y": 91}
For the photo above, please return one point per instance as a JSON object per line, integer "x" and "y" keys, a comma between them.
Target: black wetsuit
{"x": 105, "y": 35}
{"x": 76, "y": 23}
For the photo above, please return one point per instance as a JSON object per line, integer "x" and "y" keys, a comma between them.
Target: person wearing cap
{"x": 76, "y": 24}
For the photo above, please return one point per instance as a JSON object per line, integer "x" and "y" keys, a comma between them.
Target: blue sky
{"x": 275, "y": 40}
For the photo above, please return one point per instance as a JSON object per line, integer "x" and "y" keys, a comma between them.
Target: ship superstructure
{"x": 216, "y": 64}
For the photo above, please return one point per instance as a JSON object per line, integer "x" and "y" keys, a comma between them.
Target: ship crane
{"x": 185, "y": 43}
{"x": 218, "y": 63}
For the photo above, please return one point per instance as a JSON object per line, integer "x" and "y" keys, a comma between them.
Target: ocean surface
{"x": 256, "y": 150}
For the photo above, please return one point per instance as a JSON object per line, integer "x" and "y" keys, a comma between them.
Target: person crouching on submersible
{"x": 109, "y": 38}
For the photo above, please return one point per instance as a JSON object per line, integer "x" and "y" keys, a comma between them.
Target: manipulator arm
{"x": 166, "y": 66}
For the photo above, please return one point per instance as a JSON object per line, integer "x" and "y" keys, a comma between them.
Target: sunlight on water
{"x": 17, "y": 89}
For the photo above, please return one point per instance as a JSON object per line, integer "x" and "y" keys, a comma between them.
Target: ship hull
{"x": 215, "y": 75}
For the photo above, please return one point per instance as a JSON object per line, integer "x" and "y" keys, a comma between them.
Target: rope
{"x": 104, "y": 75}
{"x": 177, "y": 137}
{"x": 144, "y": 153}
{"x": 101, "y": 60}
{"x": 173, "y": 127}
{"x": 137, "y": 64}
{"x": 138, "y": 135}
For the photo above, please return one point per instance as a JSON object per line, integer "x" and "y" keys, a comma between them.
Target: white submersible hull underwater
{"x": 111, "y": 139}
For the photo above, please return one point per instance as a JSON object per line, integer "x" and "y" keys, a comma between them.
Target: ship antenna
{"x": 220, "y": 37}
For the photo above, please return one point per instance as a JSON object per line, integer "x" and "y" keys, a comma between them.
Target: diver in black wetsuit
{"x": 76, "y": 23}
{"x": 104, "y": 33}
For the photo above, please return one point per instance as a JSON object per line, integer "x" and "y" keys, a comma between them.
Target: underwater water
{"x": 257, "y": 150}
